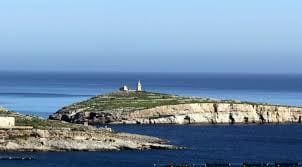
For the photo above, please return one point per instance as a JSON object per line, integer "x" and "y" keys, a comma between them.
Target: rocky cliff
{"x": 216, "y": 113}
{"x": 150, "y": 108}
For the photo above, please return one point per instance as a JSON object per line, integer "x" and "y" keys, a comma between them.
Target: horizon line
{"x": 144, "y": 72}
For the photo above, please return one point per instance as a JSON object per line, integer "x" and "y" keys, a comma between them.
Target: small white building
{"x": 7, "y": 122}
{"x": 124, "y": 88}
{"x": 139, "y": 88}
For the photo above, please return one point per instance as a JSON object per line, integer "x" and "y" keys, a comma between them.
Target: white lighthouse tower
{"x": 139, "y": 86}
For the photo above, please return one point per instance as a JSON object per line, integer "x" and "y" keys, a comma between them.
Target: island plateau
{"x": 139, "y": 107}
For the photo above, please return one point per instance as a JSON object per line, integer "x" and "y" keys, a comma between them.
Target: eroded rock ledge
{"x": 152, "y": 108}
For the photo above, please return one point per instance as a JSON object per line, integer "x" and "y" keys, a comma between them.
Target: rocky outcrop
{"x": 70, "y": 140}
{"x": 209, "y": 113}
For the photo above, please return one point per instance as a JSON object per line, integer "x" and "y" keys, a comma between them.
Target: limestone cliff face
{"x": 215, "y": 113}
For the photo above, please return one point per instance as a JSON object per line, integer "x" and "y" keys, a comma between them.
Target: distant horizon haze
{"x": 207, "y": 36}
{"x": 145, "y": 72}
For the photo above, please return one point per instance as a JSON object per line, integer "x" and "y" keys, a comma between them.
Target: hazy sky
{"x": 255, "y": 36}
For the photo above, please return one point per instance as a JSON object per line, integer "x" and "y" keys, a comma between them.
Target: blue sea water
{"x": 44, "y": 93}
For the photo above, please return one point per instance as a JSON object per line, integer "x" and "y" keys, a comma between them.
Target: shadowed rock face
{"x": 150, "y": 108}
{"x": 93, "y": 118}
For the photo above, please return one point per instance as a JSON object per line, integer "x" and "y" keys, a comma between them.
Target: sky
{"x": 233, "y": 36}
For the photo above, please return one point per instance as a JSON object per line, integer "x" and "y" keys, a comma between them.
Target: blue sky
{"x": 253, "y": 36}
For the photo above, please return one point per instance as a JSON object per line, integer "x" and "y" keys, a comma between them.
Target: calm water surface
{"x": 252, "y": 143}
{"x": 44, "y": 93}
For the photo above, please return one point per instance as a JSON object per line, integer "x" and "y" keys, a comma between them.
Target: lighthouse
{"x": 139, "y": 86}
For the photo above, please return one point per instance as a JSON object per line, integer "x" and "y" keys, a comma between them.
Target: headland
{"x": 139, "y": 107}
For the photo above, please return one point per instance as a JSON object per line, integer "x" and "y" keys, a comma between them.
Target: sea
{"x": 43, "y": 93}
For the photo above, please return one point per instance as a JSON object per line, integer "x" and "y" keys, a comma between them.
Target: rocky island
{"x": 139, "y": 107}
{"x": 29, "y": 133}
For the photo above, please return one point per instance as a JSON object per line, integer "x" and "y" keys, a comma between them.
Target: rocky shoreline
{"x": 131, "y": 108}
{"x": 66, "y": 140}
{"x": 34, "y": 134}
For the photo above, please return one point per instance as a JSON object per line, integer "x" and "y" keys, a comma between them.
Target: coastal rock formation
{"x": 216, "y": 113}
{"x": 68, "y": 140}
{"x": 150, "y": 108}
{"x": 35, "y": 134}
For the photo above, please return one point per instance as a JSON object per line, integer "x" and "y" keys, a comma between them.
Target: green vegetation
{"x": 39, "y": 123}
{"x": 130, "y": 101}
{"x": 122, "y": 102}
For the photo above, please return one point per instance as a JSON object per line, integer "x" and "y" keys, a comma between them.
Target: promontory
{"x": 135, "y": 107}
